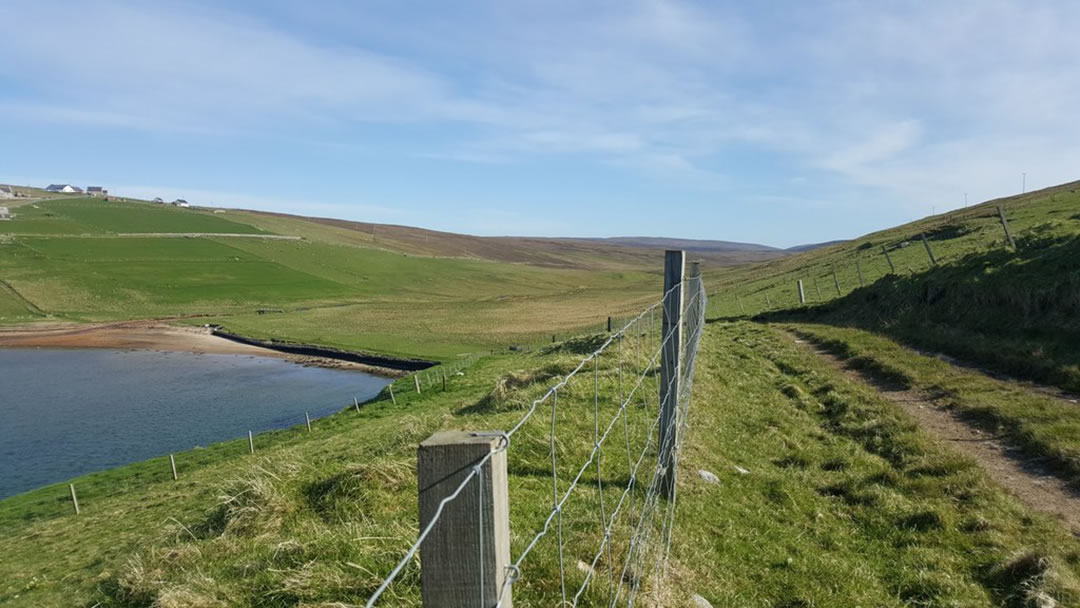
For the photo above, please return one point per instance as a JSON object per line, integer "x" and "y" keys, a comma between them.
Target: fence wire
{"x": 619, "y": 384}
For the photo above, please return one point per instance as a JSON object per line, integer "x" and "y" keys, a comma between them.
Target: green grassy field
{"x": 1044, "y": 214}
{"x": 845, "y": 502}
{"x": 1012, "y": 310}
{"x": 336, "y": 287}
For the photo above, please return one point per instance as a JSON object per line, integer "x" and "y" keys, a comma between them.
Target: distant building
{"x": 158, "y": 200}
{"x": 97, "y": 191}
{"x": 64, "y": 188}
{"x": 7, "y": 192}
{"x": 181, "y": 203}
{"x": 4, "y": 214}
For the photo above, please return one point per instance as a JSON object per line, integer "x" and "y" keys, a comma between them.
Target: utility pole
{"x": 965, "y": 200}
{"x": 1023, "y": 183}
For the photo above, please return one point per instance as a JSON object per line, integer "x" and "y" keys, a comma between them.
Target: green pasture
{"x": 827, "y": 496}
{"x": 1050, "y": 213}
{"x": 85, "y": 215}
{"x": 65, "y": 258}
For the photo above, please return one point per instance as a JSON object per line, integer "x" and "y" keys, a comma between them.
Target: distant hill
{"x": 813, "y": 246}
{"x": 616, "y": 252}
{"x": 697, "y": 245}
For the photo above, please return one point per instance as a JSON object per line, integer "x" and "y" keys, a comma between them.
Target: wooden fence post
{"x": 892, "y": 268}
{"x": 1005, "y": 225}
{"x": 836, "y": 282}
{"x": 609, "y": 325}
{"x": 307, "y": 419}
{"x": 356, "y": 402}
{"x": 768, "y": 301}
{"x": 444, "y": 382}
{"x": 392, "y": 399}
{"x": 74, "y": 499}
{"x": 929, "y": 252}
{"x": 464, "y": 558}
{"x": 172, "y": 464}
{"x": 416, "y": 380}
{"x": 858, "y": 269}
{"x": 817, "y": 288}
{"x": 670, "y": 367}
{"x": 802, "y": 294}
{"x": 251, "y": 443}
{"x": 738, "y": 300}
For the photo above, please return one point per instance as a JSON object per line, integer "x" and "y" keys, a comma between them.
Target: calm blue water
{"x": 64, "y": 412}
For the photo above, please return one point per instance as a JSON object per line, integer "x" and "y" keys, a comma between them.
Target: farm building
{"x": 7, "y": 192}
{"x": 97, "y": 191}
{"x": 4, "y": 214}
{"x": 65, "y": 188}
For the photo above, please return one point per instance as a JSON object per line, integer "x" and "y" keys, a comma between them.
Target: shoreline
{"x": 158, "y": 336}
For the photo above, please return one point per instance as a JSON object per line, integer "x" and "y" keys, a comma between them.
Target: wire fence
{"x": 935, "y": 242}
{"x": 605, "y": 438}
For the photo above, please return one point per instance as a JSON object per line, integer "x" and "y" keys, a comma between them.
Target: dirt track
{"x": 1025, "y": 478}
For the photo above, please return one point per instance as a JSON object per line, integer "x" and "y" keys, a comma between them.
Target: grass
{"x": 333, "y": 288}
{"x": 844, "y": 501}
{"x": 1014, "y": 312}
{"x": 1045, "y": 427}
{"x": 86, "y": 215}
{"x": 1045, "y": 214}
{"x": 1011, "y": 310}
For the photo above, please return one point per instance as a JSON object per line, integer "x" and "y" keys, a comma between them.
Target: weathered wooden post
{"x": 1005, "y": 225}
{"x": 464, "y": 558}
{"x": 392, "y": 399}
{"x": 738, "y": 300}
{"x": 356, "y": 402}
{"x": 552, "y": 338}
{"x": 444, "y": 382}
{"x": 802, "y": 294}
{"x": 858, "y": 269}
{"x": 768, "y": 301}
{"x": 307, "y": 419}
{"x": 892, "y": 269}
{"x": 251, "y": 443}
{"x": 609, "y": 325}
{"x": 416, "y": 379}
{"x": 929, "y": 252}
{"x": 670, "y": 367}
{"x": 836, "y": 281}
{"x": 817, "y": 288}
{"x": 74, "y": 499}
{"x": 172, "y": 463}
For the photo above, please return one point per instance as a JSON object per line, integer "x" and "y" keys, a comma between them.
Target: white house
{"x": 7, "y": 192}
{"x": 65, "y": 188}
{"x": 158, "y": 200}
{"x": 97, "y": 191}
{"x": 4, "y": 215}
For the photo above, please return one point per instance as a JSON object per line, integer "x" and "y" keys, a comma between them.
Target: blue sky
{"x": 774, "y": 122}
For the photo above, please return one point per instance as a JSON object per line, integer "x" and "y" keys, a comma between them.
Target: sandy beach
{"x": 155, "y": 335}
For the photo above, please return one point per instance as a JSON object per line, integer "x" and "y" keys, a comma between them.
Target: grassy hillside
{"x": 1015, "y": 310}
{"x": 83, "y": 259}
{"x": 844, "y": 502}
{"x": 1049, "y": 213}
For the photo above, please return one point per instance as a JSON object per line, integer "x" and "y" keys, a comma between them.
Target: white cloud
{"x": 909, "y": 98}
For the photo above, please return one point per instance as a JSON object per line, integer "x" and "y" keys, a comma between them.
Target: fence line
{"x": 875, "y": 260}
{"x": 641, "y": 545}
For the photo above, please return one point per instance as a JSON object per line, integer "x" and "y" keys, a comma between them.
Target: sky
{"x": 779, "y": 123}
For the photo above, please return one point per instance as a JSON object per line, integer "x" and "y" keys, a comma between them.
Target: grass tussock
{"x": 1033, "y": 580}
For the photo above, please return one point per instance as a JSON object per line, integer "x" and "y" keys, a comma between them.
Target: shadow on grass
{"x": 1012, "y": 312}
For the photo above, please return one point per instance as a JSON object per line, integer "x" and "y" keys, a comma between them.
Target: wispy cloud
{"x": 911, "y": 99}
